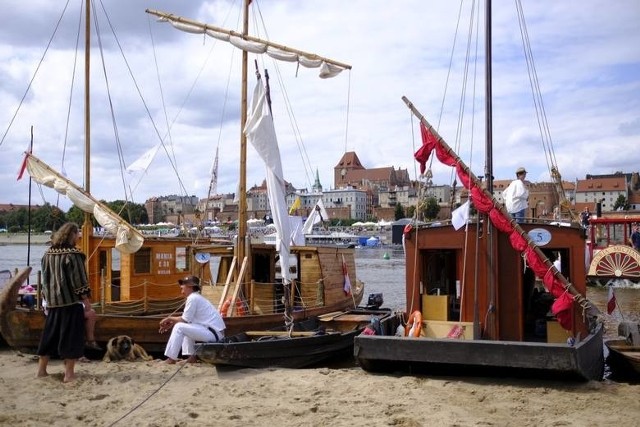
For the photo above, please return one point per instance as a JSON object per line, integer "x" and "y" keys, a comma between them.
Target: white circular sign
{"x": 540, "y": 236}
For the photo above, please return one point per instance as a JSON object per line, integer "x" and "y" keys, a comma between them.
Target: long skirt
{"x": 63, "y": 334}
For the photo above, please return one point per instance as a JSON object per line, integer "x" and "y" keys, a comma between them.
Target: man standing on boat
{"x": 200, "y": 321}
{"x": 516, "y": 196}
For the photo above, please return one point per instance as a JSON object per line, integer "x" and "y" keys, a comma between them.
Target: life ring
{"x": 240, "y": 309}
{"x": 408, "y": 228}
{"x": 414, "y": 325}
{"x": 225, "y": 307}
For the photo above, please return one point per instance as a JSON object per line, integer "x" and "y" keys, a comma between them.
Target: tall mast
{"x": 491, "y": 238}
{"x": 242, "y": 186}
{"x": 86, "y": 227}
{"x": 488, "y": 105}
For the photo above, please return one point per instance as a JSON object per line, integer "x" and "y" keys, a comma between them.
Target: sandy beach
{"x": 156, "y": 394}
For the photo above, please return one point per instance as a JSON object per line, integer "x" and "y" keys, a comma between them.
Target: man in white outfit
{"x": 516, "y": 196}
{"x": 200, "y": 321}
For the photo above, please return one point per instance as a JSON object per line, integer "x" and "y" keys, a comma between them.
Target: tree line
{"x": 48, "y": 217}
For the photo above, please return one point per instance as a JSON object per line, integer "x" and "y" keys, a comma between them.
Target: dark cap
{"x": 190, "y": 280}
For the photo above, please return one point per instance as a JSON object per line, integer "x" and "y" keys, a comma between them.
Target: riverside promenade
{"x": 23, "y": 238}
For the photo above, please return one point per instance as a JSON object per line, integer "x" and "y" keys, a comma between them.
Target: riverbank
{"x": 156, "y": 394}
{"x": 23, "y": 238}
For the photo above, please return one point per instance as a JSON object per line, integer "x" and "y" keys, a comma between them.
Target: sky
{"x": 586, "y": 58}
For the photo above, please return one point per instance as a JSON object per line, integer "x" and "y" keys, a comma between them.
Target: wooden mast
{"x": 87, "y": 228}
{"x": 242, "y": 186}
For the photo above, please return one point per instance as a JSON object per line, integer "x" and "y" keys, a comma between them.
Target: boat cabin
{"x": 451, "y": 280}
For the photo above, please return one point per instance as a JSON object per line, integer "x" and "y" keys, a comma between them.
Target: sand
{"x": 156, "y": 394}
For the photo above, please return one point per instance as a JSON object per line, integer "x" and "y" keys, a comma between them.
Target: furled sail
{"x": 261, "y": 134}
{"x": 328, "y": 68}
{"x": 128, "y": 239}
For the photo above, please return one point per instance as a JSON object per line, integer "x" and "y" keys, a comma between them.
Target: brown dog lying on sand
{"x": 122, "y": 347}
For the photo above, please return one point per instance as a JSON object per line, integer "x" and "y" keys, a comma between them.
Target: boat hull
{"x": 584, "y": 361}
{"x": 623, "y": 359}
{"x": 304, "y": 349}
{"x": 22, "y": 328}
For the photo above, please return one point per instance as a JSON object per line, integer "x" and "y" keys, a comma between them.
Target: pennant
{"x": 347, "y": 281}
{"x": 23, "y": 166}
{"x": 428, "y": 144}
{"x": 611, "y": 301}
{"x": 143, "y": 162}
{"x": 460, "y": 216}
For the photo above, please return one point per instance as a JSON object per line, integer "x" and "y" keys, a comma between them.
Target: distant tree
{"x": 399, "y": 212}
{"x": 621, "y": 204}
{"x": 410, "y": 211}
{"x": 47, "y": 217}
{"x": 431, "y": 208}
{"x": 75, "y": 214}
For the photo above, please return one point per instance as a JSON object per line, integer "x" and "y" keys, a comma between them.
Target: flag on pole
{"x": 295, "y": 206}
{"x": 23, "y": 166}
{"x": 611, "y": 301}
{"x": 347, "y": 281}
{"x": 460, "y": 216}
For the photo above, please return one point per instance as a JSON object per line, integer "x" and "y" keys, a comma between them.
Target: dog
{"x": 122, "y": 347}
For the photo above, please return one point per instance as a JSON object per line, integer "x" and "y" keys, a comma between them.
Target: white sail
{"x": 317, "y": 214}
{"x": 261, "y": 133}
{"x": 128, "y": 239}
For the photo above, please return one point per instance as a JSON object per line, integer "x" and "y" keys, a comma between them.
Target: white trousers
{"x": 185, "y": 335}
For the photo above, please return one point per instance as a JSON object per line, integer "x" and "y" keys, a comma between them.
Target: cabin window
{"x": 181, "y": 259}
{"x": 142, "y": 261}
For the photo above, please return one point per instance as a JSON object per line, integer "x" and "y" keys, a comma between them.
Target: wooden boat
{"x": 476, "y": 296}
{"x": 623, "y": 358}
{"x": 624, "y": 352}
{"x": 133, "y": 277}
{"x": 319, "y": 339}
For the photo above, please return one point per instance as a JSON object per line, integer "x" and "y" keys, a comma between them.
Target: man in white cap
{"x": 516, "y": 196}
{"x": 200, "y": 321}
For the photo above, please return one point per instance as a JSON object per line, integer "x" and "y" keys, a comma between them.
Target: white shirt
{"x": 200, "y": 311}
{"x": 516, "y": 196}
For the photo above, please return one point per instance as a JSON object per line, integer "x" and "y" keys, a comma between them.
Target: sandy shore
{"x": 155, "y": 394}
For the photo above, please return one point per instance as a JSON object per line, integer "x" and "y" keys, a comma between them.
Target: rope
{"x": 164, "y": 383}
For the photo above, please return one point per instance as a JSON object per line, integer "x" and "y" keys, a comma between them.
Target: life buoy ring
{"x": 414, "y": 325}
{"x": 240, "y": 308}
{"x": 225, "y": 307}
{"x": 408, "y": 228}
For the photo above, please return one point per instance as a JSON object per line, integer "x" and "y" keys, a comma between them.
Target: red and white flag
{"x": 347, "y": 281}
{"x": 611, "y": 301}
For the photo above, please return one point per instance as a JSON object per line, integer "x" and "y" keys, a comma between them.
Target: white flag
{"x": 143, "y": 161}
{"x": 460, "y": 216}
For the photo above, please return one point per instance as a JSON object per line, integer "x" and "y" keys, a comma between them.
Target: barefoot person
{"x": 66, "y": 289}
{"x": 200, "y": 321}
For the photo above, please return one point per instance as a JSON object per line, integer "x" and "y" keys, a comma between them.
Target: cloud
{"x": 587, "y": 64}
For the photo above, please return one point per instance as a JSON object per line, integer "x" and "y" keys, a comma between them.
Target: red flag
{"x": 428, "y": 144}
{"x": 347, "y": 281}
{"x": 23, "y": 166}
{"x": 611, "y": 302}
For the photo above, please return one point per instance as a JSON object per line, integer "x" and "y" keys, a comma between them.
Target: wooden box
{"x": 440, "y": 329}
{"x": 435, "y": 307}
{"x": 555, "y": 332}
